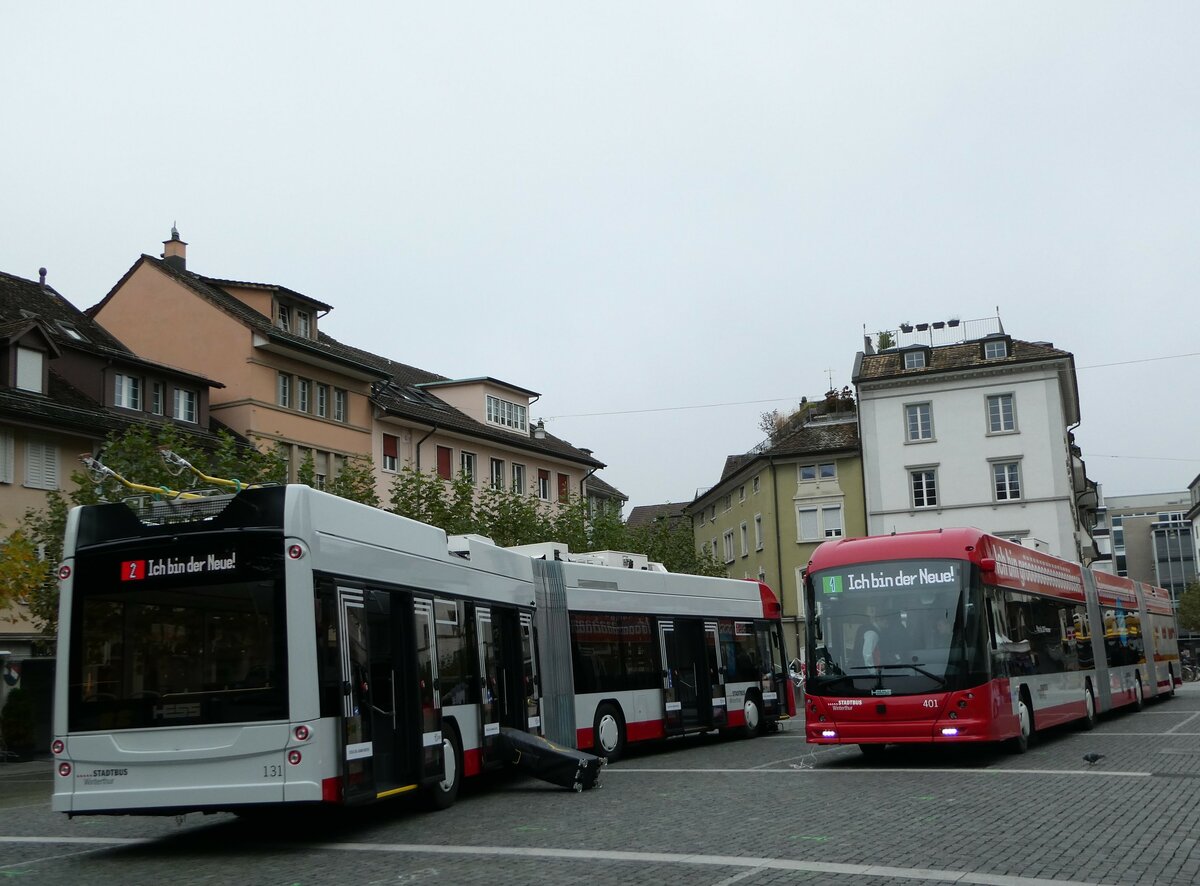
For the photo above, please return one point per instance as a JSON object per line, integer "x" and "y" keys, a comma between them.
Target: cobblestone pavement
{"x": 764, "y": 811}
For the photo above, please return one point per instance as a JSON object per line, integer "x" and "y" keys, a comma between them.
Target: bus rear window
{"x": 178, "y": 654}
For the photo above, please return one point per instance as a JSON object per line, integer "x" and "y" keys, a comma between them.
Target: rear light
{"x": 64, "y": 572}
{"x": 294, "y": 757}
{"x": 301, "y": 733}
{"x": 950, "y": 730}
{"x": 57, "y": 747}
{"x": 64, "y": 769}
{"x": 828, "y": 733}
{"x": 295, "y": 552}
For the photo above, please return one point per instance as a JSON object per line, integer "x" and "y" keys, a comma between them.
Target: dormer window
{"x": 283, "y": 317}
{"x": 31, "y": 370}
{"x": 303, "y": 324}
{"x": 70, "y": 331}
{"x": 508, "y": 414}
{"x": 917, "y": 358}
{"x": 128, "y": 392}
{"x": 995, "y": 348}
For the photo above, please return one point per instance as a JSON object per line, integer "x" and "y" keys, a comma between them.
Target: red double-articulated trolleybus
{"x": 953, "y": 635}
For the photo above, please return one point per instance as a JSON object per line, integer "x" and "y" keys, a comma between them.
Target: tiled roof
{"x": 948, "y": 358}
{"x": 818, "y": 438}
{"x": 24, "y": 299}
{"x": 644, "y": 515}
{"x": 396, "y": 392}
{"x": 596, "y": 486}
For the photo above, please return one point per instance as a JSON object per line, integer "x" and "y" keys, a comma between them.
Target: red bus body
{"x": 980, "y": 633}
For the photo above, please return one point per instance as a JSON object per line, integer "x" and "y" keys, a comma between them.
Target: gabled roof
{"x": 24, "y": 301}
{"x": 399, "y": 390}
{"x": 596, "y": 486}
{"x": 952, "y": 358}
{"x": 210, "y": 288}
{"x": 644, "y": 515}
{"x": 811, "y": 440}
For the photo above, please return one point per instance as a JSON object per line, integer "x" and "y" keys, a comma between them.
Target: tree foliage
{"x": 1189, "y": 607}
{"x": 22, "y": 572}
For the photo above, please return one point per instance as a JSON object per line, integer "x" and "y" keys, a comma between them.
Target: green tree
{"x": 355, "y": 480}
{"x": 1189, "y": 607}
{"x": 22, "y": 571}
{"x": 885, "y": 339}
{"x": 673, "y": 543}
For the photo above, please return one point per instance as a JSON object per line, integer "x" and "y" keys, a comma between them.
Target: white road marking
{"x": 916, "y": 770}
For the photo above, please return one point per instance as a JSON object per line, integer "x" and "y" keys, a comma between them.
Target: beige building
{"x": 776, "y": 503}
{"x": 287, "y": 383}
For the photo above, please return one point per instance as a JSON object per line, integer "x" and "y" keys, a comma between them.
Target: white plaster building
{"x": 974, "y": 433}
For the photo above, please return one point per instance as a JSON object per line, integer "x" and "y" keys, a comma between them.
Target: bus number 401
{"x": 929, "y": 703}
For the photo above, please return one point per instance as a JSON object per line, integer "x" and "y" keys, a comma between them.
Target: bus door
{"x": 530, "y": 685}
{"x": 717, "y": 674}
{"x": 357, "y": 721}
{"x": 772, "y": 676}
{"x": 489, "y": 684}
{"x": 428, "y": 697}
{"x": 689, "y": 671}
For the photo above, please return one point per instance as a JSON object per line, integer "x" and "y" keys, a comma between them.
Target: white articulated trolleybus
{"x": 284, "y": 646}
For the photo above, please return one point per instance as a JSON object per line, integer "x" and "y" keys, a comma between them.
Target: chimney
{"x": 539, "y": 430}
{"x": 42, "y": 277}
{"x": 175, "y": 251}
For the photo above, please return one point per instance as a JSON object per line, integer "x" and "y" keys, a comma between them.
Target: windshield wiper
{"x": 891, "y": 667}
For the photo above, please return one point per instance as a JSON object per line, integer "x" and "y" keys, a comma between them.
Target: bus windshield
{"x": 178, "y": 635}
{"x": 905, "y": 627}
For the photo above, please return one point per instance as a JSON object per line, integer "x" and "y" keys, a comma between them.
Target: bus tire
{"x": 608, "y": 732}
{"x": 1139, "y": 697}
{"x": 1024, "y": 738}
{"x": 1089, "y": 708}
{"x": 755, "y": 722}
{"x": 1170, "y": 681}
{"x": 442, "y": 794}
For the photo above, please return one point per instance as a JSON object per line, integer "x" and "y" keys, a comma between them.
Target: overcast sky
{"x": 667, "y": 218}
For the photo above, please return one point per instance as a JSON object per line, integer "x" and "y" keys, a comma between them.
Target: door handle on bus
{"x": 346, "y": 687}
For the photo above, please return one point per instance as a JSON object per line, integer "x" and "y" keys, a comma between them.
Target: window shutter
{"x": 389, "y": 445}
{"x": 6, "y": 456}
{"x": 41, "y": 465}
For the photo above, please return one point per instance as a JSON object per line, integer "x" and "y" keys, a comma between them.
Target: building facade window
{"x": 1002, "y": 416}
{"x": 466, "y": 465}
{"x": 918, "y": 422}
{"x": 742, "y": 492}
{"x": 728, "y": 545}
{"x": 564, "y": 487}
{"x": 1006, "y": 480}
{"x": 185, "y": 405}
{"x": 497, "y": 473}
{"x": 727, "y": 502}
{"x": 283, "y": 317}
{"x": 303, "y": 324}
{"x": 506, "y": 413}
{"x": 41, "y": 465}
{"x": 444, "y": 458}
{"x": 543, "y": 484}
{"x": 745, "y": 538}
{"x": 303, "y": 394}
{"x": 340, "y": 404}
{"x": 390, "y": 447}
{"x": 128, "y": 391}
{"x": 322, "y": 401}
{"x": 914, "y": 359}
{"x": 823, "y": 471}
{"x": 994, "y": 350}
{"x": 31, "y": 370}
{"x": 755, "y": 485}
{"x": 320, "y": 469}
{"x": 818, "y": 522}
{"x": 156, "y": 398}
{"x": 518, "y": 478}
{"x": 758, "y": 532}
{"x": 284, "y": 391}
{"x": 924, "y": 487}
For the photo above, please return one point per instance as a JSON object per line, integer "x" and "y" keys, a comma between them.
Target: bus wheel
{"x": 754, "y": 717}
{"x": 443, "y": 794}
{"x": 1139, "y": 698}
{"x": 1089, "y": 706}
{"x": 1020, "y": 744}
{"x": 608, "y": 733}
{"x": 1170, "y": 681}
